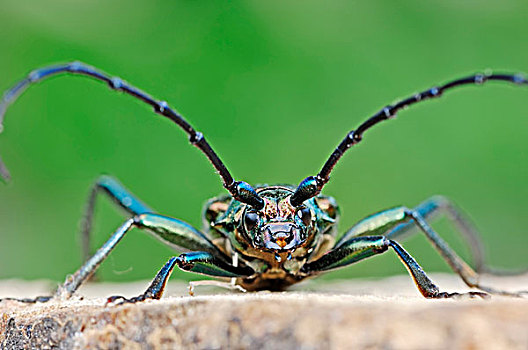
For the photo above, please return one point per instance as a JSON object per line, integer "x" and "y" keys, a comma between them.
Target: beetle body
{"x": 275, "y": 241}
{"x": 270, "y": 237}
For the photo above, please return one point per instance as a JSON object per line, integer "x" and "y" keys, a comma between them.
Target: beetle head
{"x": 281, "y": 227}
{"x": 278, "y": 226}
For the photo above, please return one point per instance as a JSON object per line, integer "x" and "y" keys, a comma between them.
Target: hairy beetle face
{"x": 279, "y": 226}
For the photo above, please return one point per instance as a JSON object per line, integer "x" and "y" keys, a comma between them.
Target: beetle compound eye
{"x": 305, "y": 215}
{"x": 250, "y": 221}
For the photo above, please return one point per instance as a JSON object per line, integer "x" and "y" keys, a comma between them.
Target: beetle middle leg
{"x": 120, "y": 195}
{"x": 393, "y": 223}
{"x": 398, "y": 227}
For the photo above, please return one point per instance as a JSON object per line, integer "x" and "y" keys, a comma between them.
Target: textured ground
{"x": 387, "y": 314}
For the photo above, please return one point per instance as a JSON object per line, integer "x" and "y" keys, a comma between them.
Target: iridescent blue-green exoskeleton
{"x": 270, "y": 237}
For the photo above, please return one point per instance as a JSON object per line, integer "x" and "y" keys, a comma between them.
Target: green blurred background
{"x": 274, "y": 86}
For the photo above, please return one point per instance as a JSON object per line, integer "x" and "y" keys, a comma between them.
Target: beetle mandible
{"x": 270, "y": 237}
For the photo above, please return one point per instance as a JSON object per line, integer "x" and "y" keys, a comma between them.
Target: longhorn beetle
{"x": 270, "y": 237}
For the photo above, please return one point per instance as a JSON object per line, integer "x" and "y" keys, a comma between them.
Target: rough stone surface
{"x": 386, "y": 314}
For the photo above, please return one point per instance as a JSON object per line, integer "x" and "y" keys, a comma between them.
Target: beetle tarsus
{"x": 470, "y": 295}
{"x": 39, "y": 299}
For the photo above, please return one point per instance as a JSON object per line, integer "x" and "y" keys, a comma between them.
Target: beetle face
{"x": 278, "y": 226}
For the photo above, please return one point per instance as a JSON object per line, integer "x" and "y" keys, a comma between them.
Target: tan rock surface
{"x": 350, "y": 315}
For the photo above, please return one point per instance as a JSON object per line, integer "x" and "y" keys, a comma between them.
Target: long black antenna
{"x": 238, "y": 189}
{"x": 312, "y": 185}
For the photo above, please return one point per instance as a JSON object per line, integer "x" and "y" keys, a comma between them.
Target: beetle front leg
{"x": 156, "y": 288}
{"x": 359, "y": 248}
{"x": 199, "y": 262}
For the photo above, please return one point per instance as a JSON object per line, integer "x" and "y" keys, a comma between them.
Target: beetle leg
{"x": 169, "y": 230}
{"x": 392, "y": 223}
{"x": 375, "y": 224}
{"x": 39, "y": 299}
{"x": 436, "y": 205}
{"x": 209, "y": 264}
{"x": 120, "y": 195}
{"x": 468, "y": 275}
{"x": 359, "y": 248}
{"x": 227, "y": 285}
{"x": 198, "y": 262}
{"x": 156, "y": 288}
{"x": 400, "y": 227}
